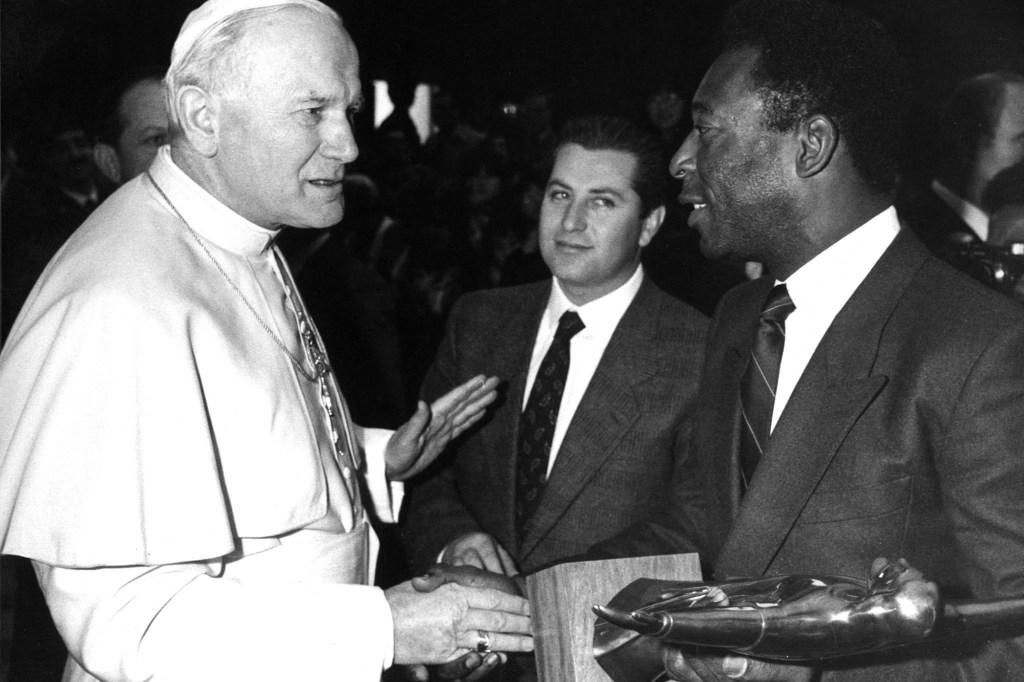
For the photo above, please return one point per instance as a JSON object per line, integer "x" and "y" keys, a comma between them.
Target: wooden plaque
{"x": 560, "y": 601}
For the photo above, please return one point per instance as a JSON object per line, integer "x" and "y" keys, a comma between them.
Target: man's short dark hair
{"x": 968, "y": 118}
{"x": 620, "y": 134}
{"x": 820, "y": 58}
{"x": 109, "y": 122}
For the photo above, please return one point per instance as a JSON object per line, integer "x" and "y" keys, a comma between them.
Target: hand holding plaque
{"x": 788, "y": 618}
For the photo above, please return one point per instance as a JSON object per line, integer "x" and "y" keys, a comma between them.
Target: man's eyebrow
{"x": 607, "y": 190}
{"x": 310, "y": 97}
{"x": 701, "y": 107}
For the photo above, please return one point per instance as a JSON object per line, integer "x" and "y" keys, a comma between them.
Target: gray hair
{"x": 203, "y": 63}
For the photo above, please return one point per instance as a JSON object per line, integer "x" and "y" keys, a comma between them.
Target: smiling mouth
{"x": 697, "y": 207}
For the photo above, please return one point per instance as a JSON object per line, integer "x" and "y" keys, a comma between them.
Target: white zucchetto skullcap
{"x": 212, "y": 12}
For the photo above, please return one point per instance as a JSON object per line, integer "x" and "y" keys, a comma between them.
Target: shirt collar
{"x": 975, "y": 218}
{"x": 204, "y": 213}
{"x": 600, "y": 315}
{"x": 829, "y": 279}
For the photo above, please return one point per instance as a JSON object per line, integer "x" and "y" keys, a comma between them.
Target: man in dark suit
{"x": 620, "y": 436}
{"x": 980, "y": 132}
{"x": 895, "y": 422}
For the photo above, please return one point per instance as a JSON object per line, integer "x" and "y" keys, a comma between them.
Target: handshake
{"x": 459, "y": 617}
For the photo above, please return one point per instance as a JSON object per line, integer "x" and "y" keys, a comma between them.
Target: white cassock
{"x": 169, "y": 469}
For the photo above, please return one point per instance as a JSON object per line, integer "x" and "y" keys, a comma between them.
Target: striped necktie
{"x": 757, "y": 387}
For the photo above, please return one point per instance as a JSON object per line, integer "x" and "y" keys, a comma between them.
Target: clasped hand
{"x": 439, "y": 617}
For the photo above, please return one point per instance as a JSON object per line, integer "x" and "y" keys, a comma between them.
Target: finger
{"x": 462, "y": 394}
{"x": 467, "y": 421}
{"x": 676, "y": 665}
{"x": 416, "y": 673}
{"x": 756, "y": 670}
{"x": 500, "y": 641}
{"x": 508, "y": 564}
{"x": 495, "y": 600}
{"x": 453, "y": 670}
{"x": 430, "y": 581}
{"x": 469, "y": 557}
{"x": 489, "y": 559}
{"x": 480, "y": 397}
{"x": 416, "y": 427}
{"x": 492, "y": 662}
{"x": 495, "y": 622}
{"x": 466, "y": 402}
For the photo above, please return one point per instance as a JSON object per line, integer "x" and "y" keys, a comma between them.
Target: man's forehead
{"x": 610, "y": 169}
{"x": 728, "y": 75}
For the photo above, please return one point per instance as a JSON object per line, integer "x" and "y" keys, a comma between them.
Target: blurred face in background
{"x": 144, "y": 117}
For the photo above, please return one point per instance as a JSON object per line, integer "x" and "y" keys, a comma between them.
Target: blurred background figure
{"x": 131, "y": 125}
{"x": 980, "y": 132}
{"x": 667, "y": 115}
{"x": 44, "y": 205}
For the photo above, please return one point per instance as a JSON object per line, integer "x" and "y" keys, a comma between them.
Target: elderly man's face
{"x": 285, "y": 132}
{"x": 734, "y": 169}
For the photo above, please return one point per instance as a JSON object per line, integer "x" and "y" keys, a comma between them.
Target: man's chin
{"x": 322, "y": 219}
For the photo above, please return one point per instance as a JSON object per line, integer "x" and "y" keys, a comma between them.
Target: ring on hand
{"x": 483, "y": 642}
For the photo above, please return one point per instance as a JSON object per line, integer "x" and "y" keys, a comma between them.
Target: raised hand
{"x": 420, "y": 440}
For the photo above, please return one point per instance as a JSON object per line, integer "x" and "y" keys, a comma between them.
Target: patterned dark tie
{"x": 538, "y": 421}
{"x": 757, "y": 387}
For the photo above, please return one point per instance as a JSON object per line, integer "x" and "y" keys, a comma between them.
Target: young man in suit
{"x": 604, "y": 474}
{"x": 895, "y": 422}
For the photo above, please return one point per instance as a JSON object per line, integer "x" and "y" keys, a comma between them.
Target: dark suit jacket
{"x": 903, "y": 438}
{"x": 623, "y": 456}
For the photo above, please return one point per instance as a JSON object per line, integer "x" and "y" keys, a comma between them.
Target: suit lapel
{"x": 719, "y": 419}
{"x": 607, "y": 411}
{"x": 514, "y": 334}
{"x": 833, "y": 392}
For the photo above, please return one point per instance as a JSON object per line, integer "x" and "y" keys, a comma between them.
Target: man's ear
{"x": 651, "y": 224}
{"x": 818, "y": 137}
{"x": 197, "y": 112}
{"x": 106, "y": 159}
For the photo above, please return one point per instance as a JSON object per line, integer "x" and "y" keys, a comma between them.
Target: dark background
{"x": 593, "y": 54}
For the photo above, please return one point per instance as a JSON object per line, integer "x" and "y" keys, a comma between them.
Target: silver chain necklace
{"x": 316, "y": 355}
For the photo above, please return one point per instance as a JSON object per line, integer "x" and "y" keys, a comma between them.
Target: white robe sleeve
{"x": 386, "y": 495}
{"x": 180, "y": 622}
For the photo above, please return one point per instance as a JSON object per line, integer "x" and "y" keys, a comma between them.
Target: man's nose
{"x": 338, "y": 141}
{"x": 575, "y": 217}
{"x": 683, "y": 160}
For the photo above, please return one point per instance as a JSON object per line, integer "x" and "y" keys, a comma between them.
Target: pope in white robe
{"x": 175, "y": 456}
{"x": 152, "y": 424}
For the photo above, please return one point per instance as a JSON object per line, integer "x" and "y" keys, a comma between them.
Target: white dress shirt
{"x": 600, "y": 318}
{"x": 821, "y": 288}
